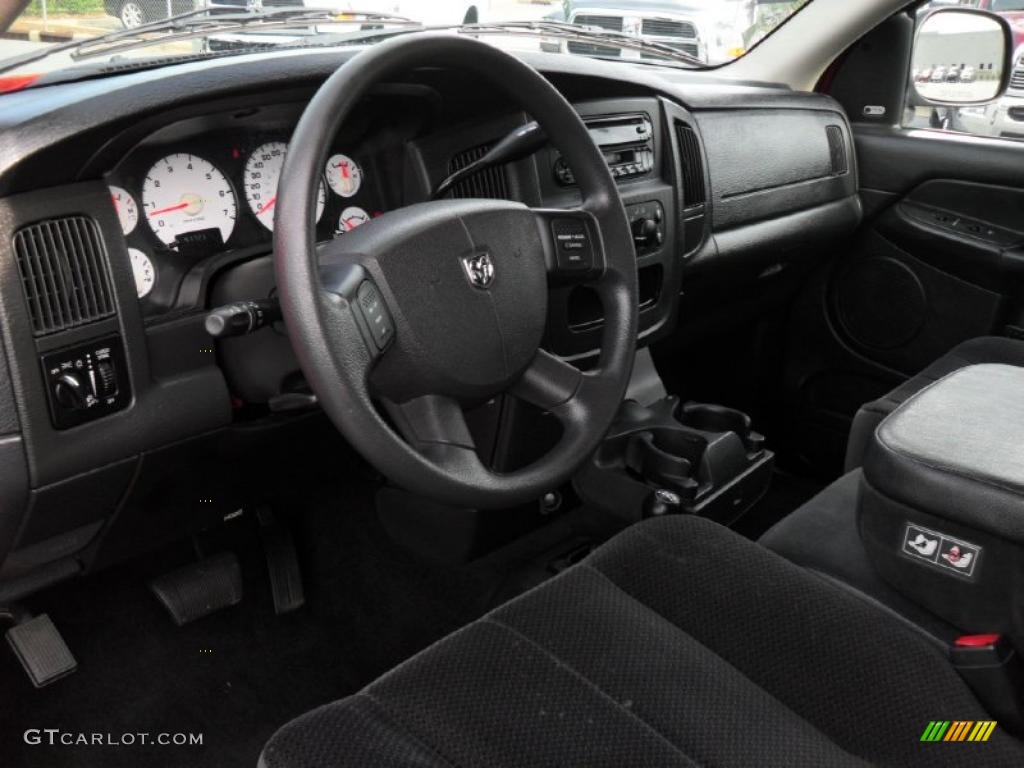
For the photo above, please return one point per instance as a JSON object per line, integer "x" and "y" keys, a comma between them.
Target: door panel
{"x": 940, "y": 259}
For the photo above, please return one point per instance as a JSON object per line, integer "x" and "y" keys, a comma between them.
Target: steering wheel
{"x": 443, "y": 304}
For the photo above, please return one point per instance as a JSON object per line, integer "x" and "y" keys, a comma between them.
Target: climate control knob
{"x": 646, "y": 232}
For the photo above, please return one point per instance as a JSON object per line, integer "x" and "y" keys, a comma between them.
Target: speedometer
{"x": 262, "y": 171}
{"x": 184, "y": 193}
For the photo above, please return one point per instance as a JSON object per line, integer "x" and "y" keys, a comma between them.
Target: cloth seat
{"x": 678, "y": 643}
{"x": 822, "y": 536}
{"x": 985, "y": 349}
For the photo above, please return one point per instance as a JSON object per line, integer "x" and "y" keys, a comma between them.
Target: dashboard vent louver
{"x": 694, "y": 194}
{"x": 1017, "y": 78}
{"x": 64, "y": 273}
{"x": 837, "y": 150}
{"x": 490, "y": 183}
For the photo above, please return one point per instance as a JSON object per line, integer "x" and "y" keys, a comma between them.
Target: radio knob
{"x": 70, "y": 392}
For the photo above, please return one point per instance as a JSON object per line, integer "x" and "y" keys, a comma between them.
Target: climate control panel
{"x": 647, "y": 222}
{"x": 86, "y": 382}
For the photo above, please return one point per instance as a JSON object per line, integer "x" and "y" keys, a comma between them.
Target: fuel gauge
{"x": 351, "y": 218}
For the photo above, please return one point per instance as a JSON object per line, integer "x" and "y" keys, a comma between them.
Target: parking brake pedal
{"x": 201, "y": 588}
{"x": 41, "y": 650}
{"x": 282, "y": 563}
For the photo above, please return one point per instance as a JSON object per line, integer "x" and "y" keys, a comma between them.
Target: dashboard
{"x": 133, "y": 204}
{"x": 207, "y": 185}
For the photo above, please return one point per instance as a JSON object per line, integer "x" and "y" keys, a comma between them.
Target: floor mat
{"x": 232, "y": 678}
{"x": 236, "y": 676}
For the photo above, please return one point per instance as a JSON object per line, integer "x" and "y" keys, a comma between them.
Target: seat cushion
{"x": 676, "y": 644}
{"x": 822, "y": 535}
{"x": 986, "y": 349}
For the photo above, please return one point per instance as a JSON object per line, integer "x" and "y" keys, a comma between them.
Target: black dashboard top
{"x": 78, "y": 119}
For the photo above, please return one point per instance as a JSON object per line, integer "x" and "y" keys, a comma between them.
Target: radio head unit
{"x": 626, "y": 141}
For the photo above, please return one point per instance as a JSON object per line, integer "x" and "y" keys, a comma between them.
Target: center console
{"x": 663, "y": 458}
{"x": 942, "y": 499}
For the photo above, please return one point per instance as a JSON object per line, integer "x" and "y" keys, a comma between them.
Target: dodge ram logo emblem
{"x": 479, "y": 269}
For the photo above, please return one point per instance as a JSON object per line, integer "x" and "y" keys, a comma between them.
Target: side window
{"x": 954, "y": 65}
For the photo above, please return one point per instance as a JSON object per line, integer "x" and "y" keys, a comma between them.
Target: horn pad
{"x": 467, "y": 284}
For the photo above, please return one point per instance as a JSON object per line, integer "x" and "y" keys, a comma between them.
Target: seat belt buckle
{"x": 991, "y": 667}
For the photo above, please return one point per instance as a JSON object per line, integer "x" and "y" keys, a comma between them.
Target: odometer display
{"x": 261, "y": 175}
{"x": 184, "y": 193}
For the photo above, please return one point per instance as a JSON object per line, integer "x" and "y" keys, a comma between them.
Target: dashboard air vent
{"x": 837, "y": 150}
{"x": 490, "y": 183}
{"x": 1017, "y": 78}
{"x": 694, "y": 194}
{"x": 64, "y": 273}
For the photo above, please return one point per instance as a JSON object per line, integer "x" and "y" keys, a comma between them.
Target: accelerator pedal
{"x": 41, "y": 650}
{"x": 282, "y": 563}
{"x": 199, "y": 589}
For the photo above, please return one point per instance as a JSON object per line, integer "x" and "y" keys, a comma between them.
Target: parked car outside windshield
{"x": 76, "y": 36}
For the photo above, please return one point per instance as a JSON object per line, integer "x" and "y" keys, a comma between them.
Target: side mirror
{"x": 961, "y": 57}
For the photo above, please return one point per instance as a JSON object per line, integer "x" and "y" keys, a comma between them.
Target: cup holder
{"x": 714, "y": 418}
{"x": 718, "y": 419}
{"x": 707, "y": 454}
{"x": 668, "y": 457}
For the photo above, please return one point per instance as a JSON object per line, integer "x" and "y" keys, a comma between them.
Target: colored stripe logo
{"x": 958, "y": 730}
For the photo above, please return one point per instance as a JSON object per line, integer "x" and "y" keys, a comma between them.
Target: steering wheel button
{"x": 375, "y": 313}
{"x": 572, "y": 244}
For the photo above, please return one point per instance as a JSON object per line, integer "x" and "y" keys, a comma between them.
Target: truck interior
{"x": 420, "y": 402}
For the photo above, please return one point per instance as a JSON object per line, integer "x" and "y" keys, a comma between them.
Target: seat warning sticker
{"x": 938, "y": 549}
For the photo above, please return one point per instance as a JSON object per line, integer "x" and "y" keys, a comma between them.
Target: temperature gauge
{"x": 344, "y": 175}
{"x": 351, "y": 218}
{"x": 143, "y": 271}
{"x": 127, "y": 210}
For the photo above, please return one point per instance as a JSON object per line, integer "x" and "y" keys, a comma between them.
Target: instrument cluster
{"x": 182, "y": 201}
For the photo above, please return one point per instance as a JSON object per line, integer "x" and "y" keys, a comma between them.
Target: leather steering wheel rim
{"x": 325, "y": 291}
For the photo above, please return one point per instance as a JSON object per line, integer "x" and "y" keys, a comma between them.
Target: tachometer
{"x": 127, "y": 210}
{"x": 262, "y": 171}
{"x": 344, "y": 175}
{"x": 143, "y": 271}
{"x": 184, "y": 193}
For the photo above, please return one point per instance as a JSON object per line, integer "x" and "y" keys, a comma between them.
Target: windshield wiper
{"x": 580, "y": 33}
{"x": 200, "y": 23}
{"x": 216, "y": 19}
{"x": 560, "y": 29}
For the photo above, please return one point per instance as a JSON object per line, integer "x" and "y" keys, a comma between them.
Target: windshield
{"x": 73, "y": 37}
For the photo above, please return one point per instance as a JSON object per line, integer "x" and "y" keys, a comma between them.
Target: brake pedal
{"x": 199, "y": 589}
{"x": 282, "y": 563}
{"x": 41, "y": 650}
